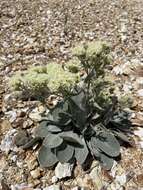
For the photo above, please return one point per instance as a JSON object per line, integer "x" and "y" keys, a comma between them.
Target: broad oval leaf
{"x": 65, "y": 153}
{"x": 43, "y": 123}
{"x": 71, "y": 137}
{"x": 52, "y": 141}
{"x": 46, "y": 157}
{"x": 106, "y": 161}
{"x": 107, "y": 143}
{"x": 41, "y": 131}
{"x": 53, "y": 128}
{"x": 81, "y": 153}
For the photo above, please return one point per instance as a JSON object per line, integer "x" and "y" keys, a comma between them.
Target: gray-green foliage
{"x": 73, "y": 131}
{"x": 80, "y": 126}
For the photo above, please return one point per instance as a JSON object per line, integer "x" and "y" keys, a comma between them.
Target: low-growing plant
{"x": 79, "y": 126}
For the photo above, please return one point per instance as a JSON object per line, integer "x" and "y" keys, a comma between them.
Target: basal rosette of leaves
{"x": 74, "y": 131}
{"x": 87, "y": 122}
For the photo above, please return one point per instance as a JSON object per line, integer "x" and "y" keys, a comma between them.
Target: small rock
{"x": 123, "y": 37}
{"x": 14, "y": 158}
{"x": 127, "y": 88}
{"x": 7, "y": 70}
{"x": 31, "y": 162}
{"x": 21, "y": 187}
{"x": 18, "y": 122}
{"x": 3, "y": 164}
{"x": 95, "y": 175}
{"x": 113, "y": 169}
{"x": 87, "y": 181}
{"x": 35, "y": 116}
{"x": 54, "y": 179}
{"x": 12, "y": 116}
{"x": 63, "y": 170}
{"x": 140, "y": 92}
{"x": 53, "y": 187}
{"x": 5, "y": 126}
{"x": 7, "y": 98}
{"x": 4, "y": 185}
{"x": 76, "y": 188}
{"x": 122, "y": 69}
{"x": 36, "y": 182}
{"x": 114, "y": 186}
{"x": 41, "y": 109}
{"x": 121, "y": 179}
{"x": 36, "y": 173}
{"x": 7, "y": 143}
{"x": 139, "y": 132}
{"x": 27, "y": 123}
{"x": 139, "y": 80}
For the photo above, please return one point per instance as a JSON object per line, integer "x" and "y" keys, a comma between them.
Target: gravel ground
{"x": 33, "y": 32}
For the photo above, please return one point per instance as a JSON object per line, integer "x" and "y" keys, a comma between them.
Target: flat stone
{"x": 95, "y": 175}
{"x": 7, "y": 98}
{"x": 35, "y": 173}
{"x": 63, "y": 170}
{"x": 7, "y": 143}
{"x": 21, "y": 187}
{"x": 53, "y": 187}
{"x": 121, "y": 179}
{"x": 54, "y": 179}
{"x": 35, "y": 116}
{"x": 5, "y": 126}
{"x": 31, "y": 162}
{"x": 41, "y": 109}
{"x": 140, "y": 92}
{"x": 76, "y": 188}
{"x": 12, "y": 115}
{"x": 27, "y": 123}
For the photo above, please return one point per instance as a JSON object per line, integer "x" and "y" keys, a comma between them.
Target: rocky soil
{"x": 37, "y": 31}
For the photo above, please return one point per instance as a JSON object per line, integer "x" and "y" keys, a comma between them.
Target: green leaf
{"x": 121, "y": 121}
{"x": 46, "y": 157}
{"x": 41, "y": 131}
{"x": 79, "y": 109}
{"x": 60, "y": 114}
{"x": 53, "y": 129}
{"x": 44, "y": 129}
{"x": 52, "y": 141}
{"x": 107, "y": 143}
{"x": 43, "y": 123}
{"x": 79, "y": 101}
{"x": 71, "y": 137}
{"x": 106, "y": 161}
{"x": 64, "y": 153}
{"x": 93, "y": 147}
{"x": 32, "y": 142}
{"x": 121, "y": 136}
{"x": 81, "y": 153}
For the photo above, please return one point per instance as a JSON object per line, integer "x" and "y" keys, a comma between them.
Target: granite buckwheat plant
{"x": 88, "y": 121}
